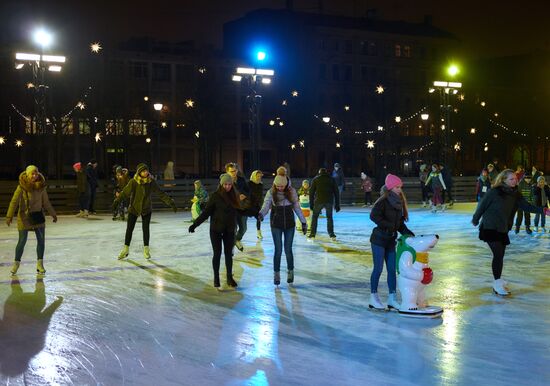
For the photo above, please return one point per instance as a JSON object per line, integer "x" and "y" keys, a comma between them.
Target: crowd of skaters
{"x": 500, "y": 195}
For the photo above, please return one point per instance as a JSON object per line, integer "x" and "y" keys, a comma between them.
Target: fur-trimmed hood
{"x": 28, "y": 185}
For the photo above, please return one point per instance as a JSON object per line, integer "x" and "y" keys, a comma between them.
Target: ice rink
{"x": 94, "y": 320}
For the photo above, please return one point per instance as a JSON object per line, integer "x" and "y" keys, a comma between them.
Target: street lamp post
{"x": 158, "y": 107}
{"x": 446, "y": 89}
{"x": 252, "y": 78}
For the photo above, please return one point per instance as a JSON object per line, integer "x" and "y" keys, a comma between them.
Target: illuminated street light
{"x": 271, "y": 122}
{"x": 158, "y": 106}
{"x": 326, "y": 119}
{"x": 148, "y": 140}
{"x": 346, "y": 108}
{"x": 398, "y": 119}
{"x": 482, "y": 103}
{"x": 457, "y": 146}
{"x": 302, "y": 143}
{"x": 473, "y": 130}
{"x": 146, "y": 98}
{"x": 197, "y": 134}
{"x": 424, "y": 116}
{"x": 42, "y": 37}
{"x": 293, "y": 146}
{"x": 95, "y": 47}
{"x": 338, "y": 145}
{"x": 163, "y": 124}
{"x": 453, "y": 70}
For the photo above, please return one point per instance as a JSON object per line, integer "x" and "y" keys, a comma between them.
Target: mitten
{"x": 428, "y": 275}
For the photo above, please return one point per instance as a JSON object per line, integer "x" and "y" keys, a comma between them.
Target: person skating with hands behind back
{"x": 282, "y": 201}
{"x": 389, "y": 213}
{"x": 223, "y": 207}
{"x": 495, "y": 216}
{"x": 28, "y": 201}
{"x": 138, "y": 192}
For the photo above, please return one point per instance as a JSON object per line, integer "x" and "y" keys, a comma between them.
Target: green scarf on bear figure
{"x": 402, "y": 247}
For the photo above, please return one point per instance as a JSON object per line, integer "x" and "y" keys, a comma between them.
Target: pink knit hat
{"x": 393, "y": 181}
{"x": 77, "y": 166}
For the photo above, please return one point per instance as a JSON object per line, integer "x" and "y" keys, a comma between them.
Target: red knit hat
{"x": 77, "y": 166}
{"x": 393, "y": 181}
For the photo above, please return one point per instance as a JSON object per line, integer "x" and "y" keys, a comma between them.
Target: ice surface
{"x": 94, "y": 320}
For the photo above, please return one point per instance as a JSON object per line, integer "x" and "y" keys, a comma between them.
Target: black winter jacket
{"x": 537, "y": 192}
{"x": 223, "y": 216}
{"x": 256, "y": 194}
{"x": 323, "y": 190}
{"x": 389, "y": 221}
{"x": 91, "y": 175}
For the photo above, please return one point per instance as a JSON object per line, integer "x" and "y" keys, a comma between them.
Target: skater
{"x": 525, "y": 187}
{"x": 520, "y": 172}
{"x": 495, "y": 215}
{"x": 438, "y": 185}
{"x": 338, "y": 176}
{"x": 82, "y": 189}
{"x": 447, "y": 193}
{"x": 222, "y": 208}
{"x": 121, "y": 180}
{"x": 389, "y": 213}
{"x": 256, "y": 195}
{"x": 243, "y": 192}
{"x": 199, "y": 200}
{"x": 483, "y": 184}
{"x": 303, "y": 196}
{"x": 29, "y": 201}
{"x": 138, "y": 192}
{"x": 493, "y": 173}
{"x": 535, "y": 173}
{"x": 282, "y": 200}
{"x": 91, "y": 177}
{"x": 541, "y": 192}
{"x": 366, "y": 185}
{"x": 422, "y": 177}
{"x": 323, "y": 194}
{"x": 168, "y": 174}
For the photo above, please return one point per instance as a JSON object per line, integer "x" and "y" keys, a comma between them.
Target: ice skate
{"x": 393, "y": 305}
{"x": 543, "y": 230}
{"x": 499, "y": 288}
{"x": 536, "y": 229}
{"x": 217, "y": 282}
{"x": 516, "y": 230}
{"x": 259, "y": 234}
{"x": 124, "y": 253}
{"x": 80, "y": 214}
{"x": 239, "y": 245}
{"x": 434, "y": 209}
{"x": 528, "y": 230}
{"x": 85, "y": 215}
{"x": 333, "y": 237}
{"x": 375, "y": 302}
{"x": 231, "y": 282}
{"x": 290, "y": 276}
{"x": 146, "y": 252}
{"x": 423, "y": 204}
{"x": 40, "y": 267}
{"x": 277, "y": 278}
{"x": 15, "y": 267}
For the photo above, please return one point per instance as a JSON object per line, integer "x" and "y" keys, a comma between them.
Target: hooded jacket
{"x": 29, "y": 197}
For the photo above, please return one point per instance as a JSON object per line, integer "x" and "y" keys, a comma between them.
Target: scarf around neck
{"x": 140, "y": 180}
{"x": 395, "y": 200}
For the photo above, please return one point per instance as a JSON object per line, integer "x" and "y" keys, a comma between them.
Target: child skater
{"x": 282, "y": 200}
{"x": 303, "y": 196}
{"x": 222, "y": 208}
{"x": 256, "y": 195}
{"x": 389, "y": 213}
{"x": 138, "y": 192}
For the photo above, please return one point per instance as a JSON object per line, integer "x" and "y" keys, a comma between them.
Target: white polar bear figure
{"x": 415, "y": 275}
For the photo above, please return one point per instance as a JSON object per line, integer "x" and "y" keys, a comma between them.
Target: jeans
{"x": 228, "y": 239}
{"x": 241, "y": 224}
{"x": 379, "y": 255}
{"x": 145, "y": 221}
{"x": 40, "y": 241}
{"x": 83, "y": 201}
{"x": 278, "y": 234}
{"x": 330, "y": 222}
{"x": 542, "y": 218}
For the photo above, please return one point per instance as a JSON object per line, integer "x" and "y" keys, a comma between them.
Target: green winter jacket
{"x": 140, "y": 197}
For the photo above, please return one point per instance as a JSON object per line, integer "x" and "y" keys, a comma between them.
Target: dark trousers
{"x": 40, "y": 243}
{"x": 228, "y": 240}
{"x": 448, "y": 194}
{"x": 241, "y": 224}
{"x": 330, "y": 222}
{"x": 424, "y": 189}
{"x": 498, "y": 248}
{"x": 519, "y": 217}
{"x": 145, "y": 222}
{"x": 368, "y": 198}
{"x": 83, "y": 199}
{"x": 92, "y": 199}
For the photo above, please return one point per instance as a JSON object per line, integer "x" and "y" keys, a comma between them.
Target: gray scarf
{"x": 395, "y": 201}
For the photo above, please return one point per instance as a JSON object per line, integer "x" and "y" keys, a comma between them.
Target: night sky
{"x": 486, "y": 28}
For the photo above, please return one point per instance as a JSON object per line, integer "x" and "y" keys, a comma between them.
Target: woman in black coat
{"x": 389, "y": 213}
{"x": 222, "y": 208}
{"x": 496, "y": 211}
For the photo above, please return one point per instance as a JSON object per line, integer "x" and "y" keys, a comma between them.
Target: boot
{"x": 434, "y": 209}
{"x": 231, "y": 282}
{"x": 393, "y": 305}
{"x": 423, "y": 204}
{"x": 259, "y": 234}
{"x": 277, "y": 278}
{"x": 516, "y": 231}
{"x": 80, "y": 214}
{"x": 499, "y": 289}
{"x": 239, "y": 245}
{"x": 376, "y": 303}
{"x": 536, "y": 229}
{"x": 528, "y": 230}
{"x": 290, "y": 276}
{"x": 146, "y": 252}
{"x": 217, "y": 280}
{"x": 15, "y": 267}
{"x": 40, "y": 266}
{"x": 124, "y": 253}
{"x": 85, "y": 215}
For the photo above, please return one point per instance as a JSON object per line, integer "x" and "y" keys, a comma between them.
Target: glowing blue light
{"x": 261, "y": 55}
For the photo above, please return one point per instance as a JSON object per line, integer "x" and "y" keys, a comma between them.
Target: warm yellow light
{"x": 483, "y": 103}
{"x": 398, "y": 119}
{"x": 461, "y": 97}
{"x": 197, "y": 134}
{"x": 457, "y": 146}
{"x": 189, "y": 103}
{"x": 370, "y": 144}
{"x": 338, "y": 130}
{"x": 271, "y": 122}
{"x": 163, "y": 124}
{"x": 294, "y": 93}
{"x": 338, "y": 145}
{"x": 2, "y": 140}
{"x": 473, "y": 130}
{"x": 380, "y": 89}
{"x": 19, "y": 143}
{"x": 424, "y": 116}
{"x": 145, "y": 98}
{"x": 326, "y": 119}
{"x": 302, "y": 143}
{"x": 281, "y": 123}
{"x": 148, "y": 140}
{"x": 496, "y": 115}
{"x": 293, "y": 146}
{"x": 453, "y": 70}
{"x": 380, "y": 128}
{"x": 346, "y": 108}
{"x": 97, "y": 137}
{"x": 95, "y": 47}
{"x": 30, "y": 85}
{"x": 158, "y": 106}
{"x": 81, "y": 105}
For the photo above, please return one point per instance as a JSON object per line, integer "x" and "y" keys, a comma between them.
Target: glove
{"x": 476, "y": 223}
{"x": 54, "y": 218}
{"x": 337, "y": 208}
{"x": 428, "y": 275}
{"x": 192, "y": 228}
{"x": 304, "y": 228}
